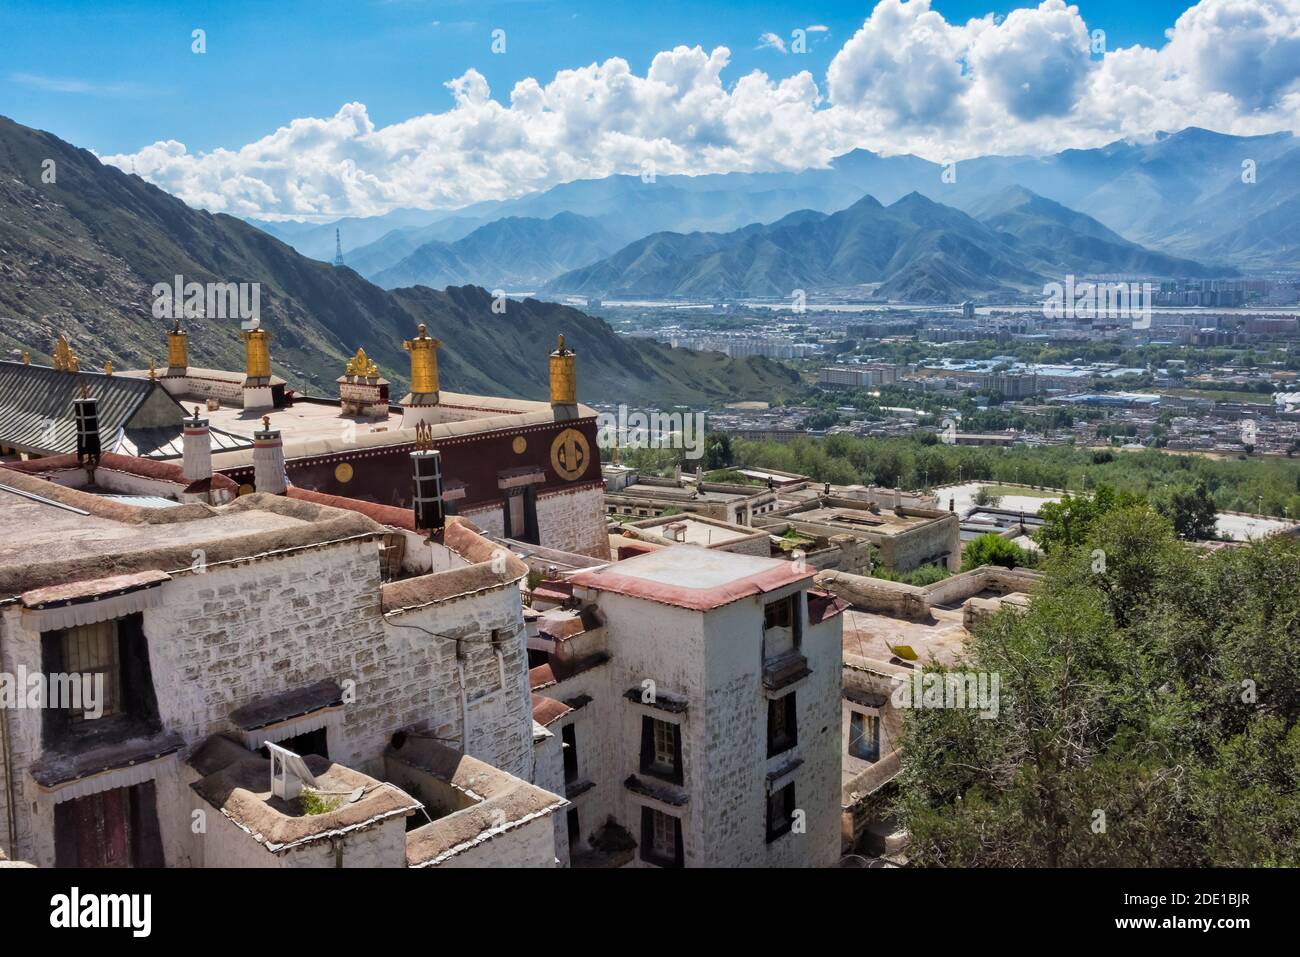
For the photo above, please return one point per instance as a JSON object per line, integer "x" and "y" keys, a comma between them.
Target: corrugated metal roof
{"x": 36, "y": 406}
{"x": 168, "y": 444}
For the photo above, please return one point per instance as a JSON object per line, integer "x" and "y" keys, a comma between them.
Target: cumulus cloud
{"x": 906, "y": 81}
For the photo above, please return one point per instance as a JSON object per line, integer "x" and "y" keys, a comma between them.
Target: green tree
{"x": 993, "y": 549}
{"x": 1191, "y": 509}
{"x": 1148, "y": 714}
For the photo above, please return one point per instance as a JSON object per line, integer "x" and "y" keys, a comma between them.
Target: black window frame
{"x": 784, "y": 821}
{"x": 647, "y": 851}
{"x": 673, "y": 775}
{"x": 785, "y": 736}
{"x": 137, "y": 712}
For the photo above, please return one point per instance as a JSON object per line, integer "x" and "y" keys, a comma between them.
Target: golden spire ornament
{"x": 360, "y": 365}
{"x": 65, "y": 360}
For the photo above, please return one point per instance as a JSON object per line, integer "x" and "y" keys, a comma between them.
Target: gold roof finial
{"x": 266, "y": 423}
{"x": 85, "y": 391}
{"x": 65, "y": 360}
{"x": 153, "y": 372}
{"x": 27, "y": 358}
{"x": 196, "y": 412}
{"x": 360, "y": 365}
{"x": 108, "y": 367}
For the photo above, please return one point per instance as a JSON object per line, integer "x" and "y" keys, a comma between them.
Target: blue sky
{"x": 116, "y": 76}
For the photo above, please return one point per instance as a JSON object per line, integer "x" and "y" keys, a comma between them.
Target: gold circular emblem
{"x": 519, "y": 445}
{"x": 343, "y": 472}
{"x": 245, "y": 489}
{"x": 570, "y": 454}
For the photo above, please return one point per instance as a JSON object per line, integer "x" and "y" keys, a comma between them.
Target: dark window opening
{"x": 309, "y": 742}
{"x": 864, "y": 736}
{"x": 569, "y": 737}
{"x": 116, "y": 828}
{"x": 661, "y": 750}
{"x": 778, "y": 614}
{"x": 110, "y": 660}
{"x": 537, "y": 658}
{"x": 780, "y": 812}
{"x": 661, "y": 838}
{"x": 782, "y": 725}
{"x": 575, "y": 833}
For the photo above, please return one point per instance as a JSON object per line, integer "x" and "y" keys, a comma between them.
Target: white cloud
{"x": 771, "y": 40}
{"x": 907, "y": 81}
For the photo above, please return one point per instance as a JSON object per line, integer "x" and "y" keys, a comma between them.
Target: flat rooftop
{"x": 872, "y": 635}
{"x": 30, "y": 529}
{"x": 689, "y": 576}
{"x": 701, "y": 533}
{"x": 53, "y": 535}
{"x": 302, "y": 420}
{"x": 885, "y": 522}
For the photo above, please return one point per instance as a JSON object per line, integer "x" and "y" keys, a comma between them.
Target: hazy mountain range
{"x": 80, "y": 256}
{"x": 917, "y": 249}
{"x": 1184, "y": 194}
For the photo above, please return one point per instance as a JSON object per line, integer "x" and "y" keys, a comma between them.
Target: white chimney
{"x": 268, "y": 460}
{"x": 196, "y": 461}
{"x": 898, "y": 497}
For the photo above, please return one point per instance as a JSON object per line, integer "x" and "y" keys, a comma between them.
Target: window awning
{"x": 86, "y": 602}
{"x": 290, "y": 714}
{"x": 105, "y": 768}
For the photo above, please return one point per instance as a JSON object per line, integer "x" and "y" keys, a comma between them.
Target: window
{"x": 309, "y": 742}
{"x": 780, "y": 812}
{"x": 661, "y": 749}
{"x": 92, "y": 650}
{"x": 782, "y": 733}
{"x": 115, "y": 655}
{"x": 575, "y": 833}
{"x": 661, "y": 838}
{"x": 864, "y": 736}
{"x": 569, "y": 737}
{"x": 782, "y": 626}
{"x": 777, "y": 614}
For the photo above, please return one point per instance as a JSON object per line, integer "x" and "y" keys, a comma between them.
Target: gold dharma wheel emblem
{"x": 343, "y": 473}
{"x": 570, "y": 454}
{"x": 520, "y": 445}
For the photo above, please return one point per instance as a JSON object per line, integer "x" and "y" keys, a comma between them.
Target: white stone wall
{"x": 548, "y": 774}
{"x": 738, "y": 765}
{"x": 530, "y": 844}
{"x": 194, "y": 387}
{"x": 574, "y": 521}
